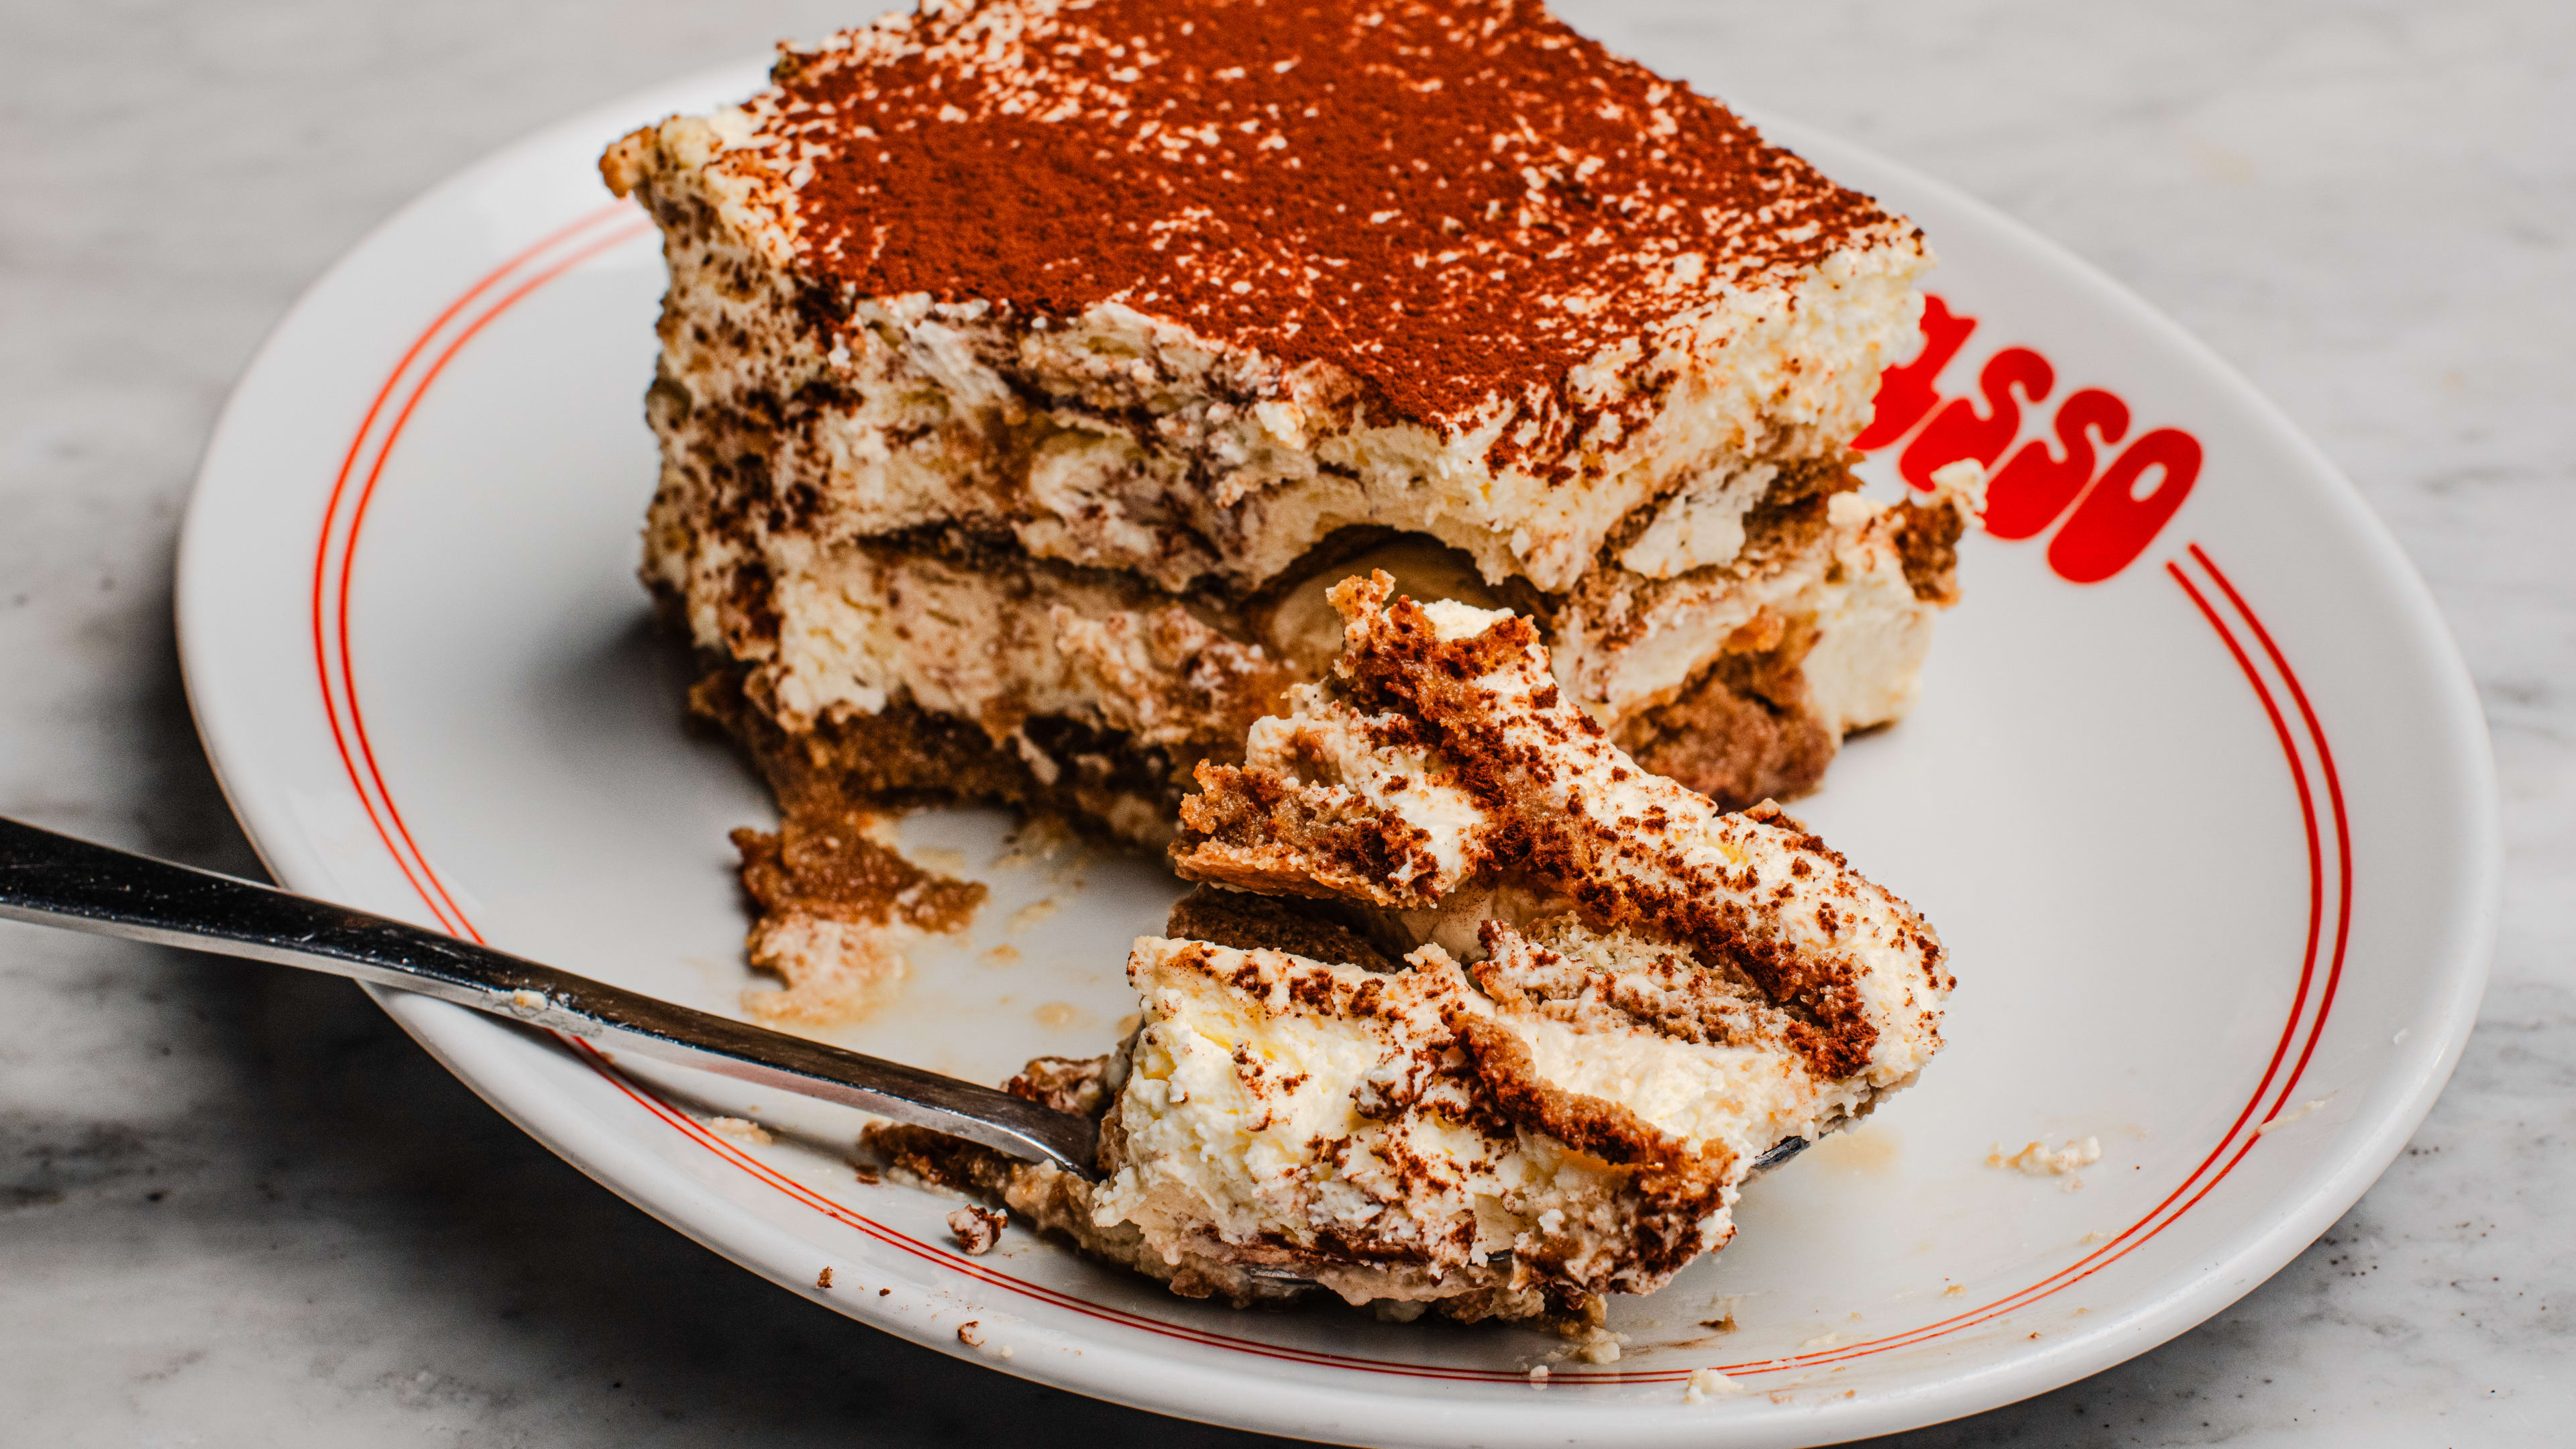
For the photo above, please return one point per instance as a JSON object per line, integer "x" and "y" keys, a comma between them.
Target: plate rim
{"x": 476, "y": 1048}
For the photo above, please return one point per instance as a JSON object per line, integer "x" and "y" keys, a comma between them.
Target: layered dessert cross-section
{"x": 1030, "y": 368}
{"x": 1475, "y": 1014}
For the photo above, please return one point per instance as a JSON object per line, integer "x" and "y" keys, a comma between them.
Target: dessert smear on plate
{"x": 1397, "y": 458}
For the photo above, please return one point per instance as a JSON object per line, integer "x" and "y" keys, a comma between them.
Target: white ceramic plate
{"x": 2212, "y": 839}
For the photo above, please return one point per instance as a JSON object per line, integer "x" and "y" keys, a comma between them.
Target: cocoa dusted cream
{"x": 1476, "y": 1015}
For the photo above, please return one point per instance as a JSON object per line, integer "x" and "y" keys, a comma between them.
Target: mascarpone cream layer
{"x": 998, "y": 640}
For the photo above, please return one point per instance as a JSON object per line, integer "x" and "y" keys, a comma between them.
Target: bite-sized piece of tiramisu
{"x": 1029, "y": 368}
{"x": 1612, "y": 999}
{"x": 1440, "y": 781}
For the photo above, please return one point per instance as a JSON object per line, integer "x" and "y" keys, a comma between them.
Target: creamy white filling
{"x": 1745, "y": 1097}
{"x": 1703, "y": 524}
{"x": 1237, "y": 1147}
{"x": 859, "y": 628}
{"x": 1627, "y": 643}
{"x": 1250, "y": 1117}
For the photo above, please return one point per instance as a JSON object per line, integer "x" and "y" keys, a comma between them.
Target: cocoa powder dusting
{"x": 1457, "y": 203}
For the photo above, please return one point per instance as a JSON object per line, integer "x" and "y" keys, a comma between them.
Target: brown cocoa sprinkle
{"x": 1404, "y": 663}
{"x": 1457, "y": 202}
{"x": 1249, "y": 827}
{"x": 976, "y": 1229}
{"x": 1927, "y": 544}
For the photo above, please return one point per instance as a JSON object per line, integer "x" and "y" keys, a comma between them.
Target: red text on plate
{"x": 2111, "y": 514}
{"x": 1960, "y": 430}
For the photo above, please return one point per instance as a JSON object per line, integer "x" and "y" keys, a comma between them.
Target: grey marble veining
{"x": 237, "y": 1207}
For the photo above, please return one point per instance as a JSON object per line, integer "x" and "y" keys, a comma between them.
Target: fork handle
{"x": 57, "y": 880}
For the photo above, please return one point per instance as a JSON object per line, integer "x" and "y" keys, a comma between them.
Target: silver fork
{"x": 56, "y": 880}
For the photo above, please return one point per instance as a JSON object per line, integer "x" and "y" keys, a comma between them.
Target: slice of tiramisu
{"x": 1031, "y": 367}
{"x": 1613, "y": 999}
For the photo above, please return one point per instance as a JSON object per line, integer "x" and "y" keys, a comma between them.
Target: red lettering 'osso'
{"x": 2116, "y": 522}
{"x": 2030, "y": 491}
{"x": 2112, "y": 520}
{"x": 1960, "y": 431}
{"x": 1906, "y": 393}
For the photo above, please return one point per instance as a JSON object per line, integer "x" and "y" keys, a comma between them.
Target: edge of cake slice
{"x": 1133, "y": 283}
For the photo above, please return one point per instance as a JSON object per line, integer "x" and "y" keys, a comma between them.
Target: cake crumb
{"x": 823, "y": 1279}
{"x": 837, "y": 906}
{"x": 2293, "y": 1115}
{"x": 2038, "y": 1161}
{"x": 744, "y": 1128}
{"x": 1955, "y": 1290}
{"x": 1599, "y": 1345}
{"x": 867, "y": 1176}
{"x": 977, "y": 1229}
{"x": 1707, "y": 1381}
{"x": 1538, "y": 1375}
{"x": 971, "y": 1334}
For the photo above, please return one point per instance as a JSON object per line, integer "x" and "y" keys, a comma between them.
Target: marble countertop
{"x": 238, "y": 1206}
